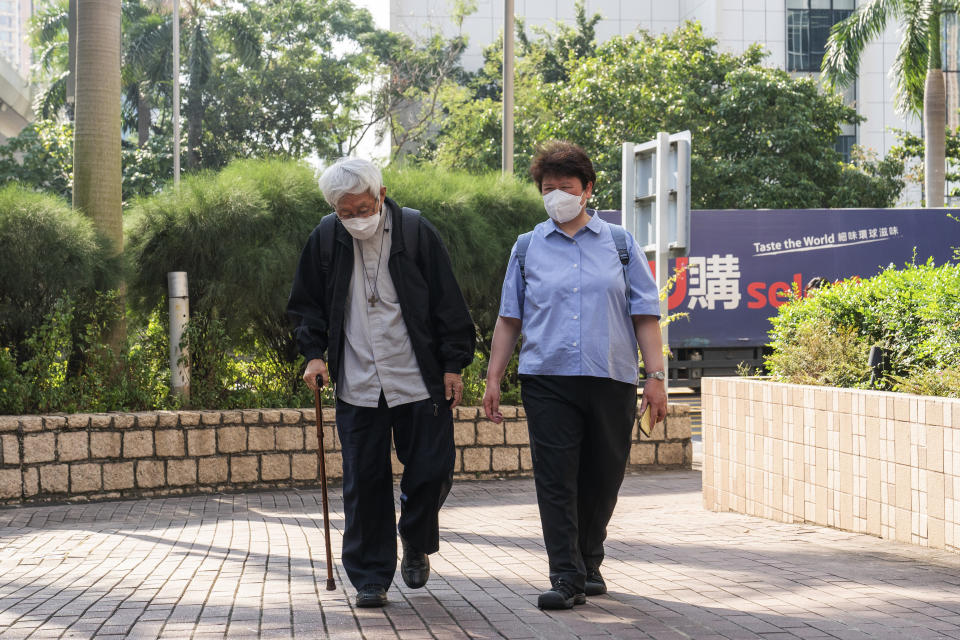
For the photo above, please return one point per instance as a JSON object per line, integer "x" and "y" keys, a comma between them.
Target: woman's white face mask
{"x": 363, "y": 228}
{"x": 563, "y": 206}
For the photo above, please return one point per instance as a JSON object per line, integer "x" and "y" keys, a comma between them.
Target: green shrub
{"x": 226, "y": 378}
{"x": 912, "y": 312}
{"x": 238, "y": 235}
{"x": 931, "y": 382}
{"x": 54, "y": 378}
{"x": 822, "y": 354}
{"x": 475, "y": 376}
{"x": 479, "y": 218}
{"x": 46, "y": 249}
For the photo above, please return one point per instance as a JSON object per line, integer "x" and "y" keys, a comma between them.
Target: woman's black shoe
{"x": 595, "y": 585}
{"x": 561, "y": 596}
{"x": 371, "y": 595}
{"x": 415, "y": 566}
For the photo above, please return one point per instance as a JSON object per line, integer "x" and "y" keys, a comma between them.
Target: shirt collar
{"x": 595, "y": 224}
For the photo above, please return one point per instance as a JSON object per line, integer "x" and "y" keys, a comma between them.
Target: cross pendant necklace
{"x": 373, "y": 288}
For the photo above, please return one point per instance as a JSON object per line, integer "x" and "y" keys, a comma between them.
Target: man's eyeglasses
{"x": 360, "y": 213}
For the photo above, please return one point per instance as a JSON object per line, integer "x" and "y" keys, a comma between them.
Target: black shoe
{"x": 371, "y": 595}
{"x": 561, "y": 596}
{"x": 595, "y": 585}
{"x": 415, "y": 566}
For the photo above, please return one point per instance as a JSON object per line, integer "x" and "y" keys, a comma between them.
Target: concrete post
{"x": 179, "y": 313}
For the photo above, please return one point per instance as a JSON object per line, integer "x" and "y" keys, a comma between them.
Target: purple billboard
{"x": 740, "y": 262}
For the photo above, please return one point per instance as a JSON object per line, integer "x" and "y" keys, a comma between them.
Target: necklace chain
{"x": 374, "y": 292}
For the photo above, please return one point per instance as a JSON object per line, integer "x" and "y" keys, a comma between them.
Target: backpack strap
{"x": 328, "y": 234}
{"x": 523, "y": 242}
{"x": 620, "y": 241}
{"x": 411, "y": 231}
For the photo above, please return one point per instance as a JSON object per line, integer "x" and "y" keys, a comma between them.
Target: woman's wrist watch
{"x": 656, "y": 375}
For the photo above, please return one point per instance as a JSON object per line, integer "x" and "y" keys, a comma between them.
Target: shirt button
{"x": 574, "y": 344}
{"x": 574, "y": 317}
{"x": 574, "y": 265}
{"x": 575, "y": 289}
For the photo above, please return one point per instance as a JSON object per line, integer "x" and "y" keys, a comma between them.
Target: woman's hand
{"x": 491, "y": 402}
{"x": 505, "y": 335}
{"x": 655, "y": 397}
{"x": 316, "y": 367}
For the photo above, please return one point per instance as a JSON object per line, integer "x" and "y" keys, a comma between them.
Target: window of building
{"x": 6, "y": 6}
{"x": 844, "y": 145}
{"x": 808, "y": 28}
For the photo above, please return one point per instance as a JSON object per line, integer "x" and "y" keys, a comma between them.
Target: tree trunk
{"x": 934, "y": 137}
{"x": 143, "y": 118}
{"x": 96, "y": 147}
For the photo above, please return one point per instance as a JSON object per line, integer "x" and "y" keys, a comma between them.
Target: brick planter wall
{"x": 881, "y": 463}
{"x": 81, "y": 457}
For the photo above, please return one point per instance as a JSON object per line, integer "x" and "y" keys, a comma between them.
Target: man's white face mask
{"x": 363, "y": 228}
{"x": 563, "y": 206}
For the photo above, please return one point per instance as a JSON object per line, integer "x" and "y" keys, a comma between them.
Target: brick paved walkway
{"x": 249, "y": 565}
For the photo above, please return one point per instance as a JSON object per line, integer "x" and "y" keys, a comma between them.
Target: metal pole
{"x": 179, "y": 313}
{"x": 176, "y": 92}
{"x": 507, "y": 142}
{"x": 663, "y": 234}
{"x": 72, "y": 52}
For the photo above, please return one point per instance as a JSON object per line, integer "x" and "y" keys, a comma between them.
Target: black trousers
{"x": 423, "y": 437}
{"x": 579, "y": 440}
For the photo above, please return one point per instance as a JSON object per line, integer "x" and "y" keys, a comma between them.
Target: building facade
{"x": 794, "y": 33}
{"x": 15, "y": 96}
{"x": 14, "y": 23}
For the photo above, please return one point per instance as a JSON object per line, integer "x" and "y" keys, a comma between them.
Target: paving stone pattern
{"x": 252, "y": 565}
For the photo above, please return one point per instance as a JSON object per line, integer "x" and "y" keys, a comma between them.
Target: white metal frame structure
{"x": 655, "y": 201}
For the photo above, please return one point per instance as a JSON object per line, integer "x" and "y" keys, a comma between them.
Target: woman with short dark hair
{"x": 580, "y": 292}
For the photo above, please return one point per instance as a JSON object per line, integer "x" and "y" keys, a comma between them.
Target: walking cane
{"x": 323, "y": 485}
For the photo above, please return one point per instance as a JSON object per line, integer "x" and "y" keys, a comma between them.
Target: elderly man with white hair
{"x": 378, "y": 311}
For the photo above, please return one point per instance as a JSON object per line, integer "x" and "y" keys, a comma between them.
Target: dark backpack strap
{"x": 328, "y": 232}
{"x": 523, "y": 242}
{"x": 620, "y": 241}
{"x": 411, "y": 234}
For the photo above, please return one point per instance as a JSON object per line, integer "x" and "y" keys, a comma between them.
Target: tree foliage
{"x": 282, "y": 78}
{"x": 40, "y": 156}
{"x": 285, "y": 77}
{"x": 760, "y": 137}
{"x": 910, "y": 150}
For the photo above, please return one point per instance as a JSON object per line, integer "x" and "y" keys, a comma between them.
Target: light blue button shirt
{"x": 574, "y": 307}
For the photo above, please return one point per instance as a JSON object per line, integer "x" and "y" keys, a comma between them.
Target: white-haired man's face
{"x": 359, "y": 205}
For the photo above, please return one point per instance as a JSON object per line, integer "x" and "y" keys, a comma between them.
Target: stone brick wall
{"x": 115, "y": 455}
{"x": 881, "y": 463}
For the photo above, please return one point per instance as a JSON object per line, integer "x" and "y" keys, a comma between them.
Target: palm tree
{"x": 917, "y": 71}
{"x": 147, "y": 58}
{"x": 147, "y": 63}
{"x": 96, "y": 146}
